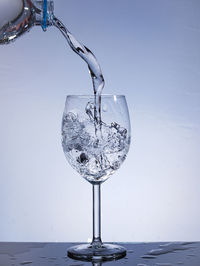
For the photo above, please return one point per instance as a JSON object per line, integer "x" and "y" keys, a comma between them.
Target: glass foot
{"x": 87, "y": 252}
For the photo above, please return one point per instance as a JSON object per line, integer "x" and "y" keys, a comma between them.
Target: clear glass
{"x": 96, "y": 158}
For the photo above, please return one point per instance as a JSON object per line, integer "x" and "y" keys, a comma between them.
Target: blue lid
{"x": 44, "y": 19}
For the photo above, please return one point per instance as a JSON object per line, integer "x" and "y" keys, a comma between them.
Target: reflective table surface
{"x": 138, "y": 254}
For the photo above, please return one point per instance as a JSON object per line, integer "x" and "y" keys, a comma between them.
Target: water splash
{"x": 93, "y": 158}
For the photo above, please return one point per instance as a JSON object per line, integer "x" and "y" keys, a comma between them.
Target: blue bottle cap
{"x": 44, "y": 19}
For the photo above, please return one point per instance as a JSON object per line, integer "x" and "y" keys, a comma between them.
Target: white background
{"x": 149, "y": 51}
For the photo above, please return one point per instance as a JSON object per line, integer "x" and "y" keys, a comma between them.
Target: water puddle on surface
{"x": 177, "y": 248}
{"x": 170, "y": 248}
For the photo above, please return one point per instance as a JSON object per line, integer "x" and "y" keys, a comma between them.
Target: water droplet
{"x": 26, "y": 262}
{"x": 130, "y": 251}
{"x": 148, "y": 257}
{"x": 163, "y": 264}
{"x": 52, "y": 258}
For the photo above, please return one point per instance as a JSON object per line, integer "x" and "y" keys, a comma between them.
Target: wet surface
{"x": 138, "y": 254}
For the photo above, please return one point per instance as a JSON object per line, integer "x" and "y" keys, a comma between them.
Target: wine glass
{"x": 96, "y": 151}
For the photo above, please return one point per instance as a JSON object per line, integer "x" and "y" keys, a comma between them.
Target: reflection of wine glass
{"x": 96, "y": 151}
{"x": 96, "y": 263}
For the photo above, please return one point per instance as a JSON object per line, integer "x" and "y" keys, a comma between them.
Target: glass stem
{"x": 96, "y": 241}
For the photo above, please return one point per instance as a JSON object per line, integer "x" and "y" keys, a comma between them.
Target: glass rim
{"x": 92, "y": 95}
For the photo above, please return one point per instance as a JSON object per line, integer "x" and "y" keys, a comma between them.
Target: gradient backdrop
{"x": 149, "y": 51}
